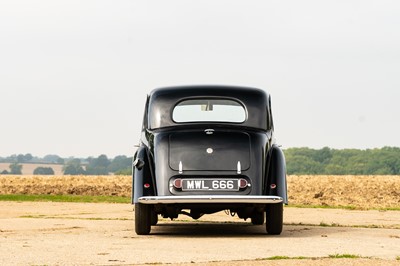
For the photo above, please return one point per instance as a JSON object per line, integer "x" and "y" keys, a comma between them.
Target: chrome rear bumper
{"x": 209, "y": 199}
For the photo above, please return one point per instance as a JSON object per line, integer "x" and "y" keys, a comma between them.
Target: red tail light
{"x": 146, "y": 185}
{"x": 243, "y": 183}
{"x": 178, "y": 183}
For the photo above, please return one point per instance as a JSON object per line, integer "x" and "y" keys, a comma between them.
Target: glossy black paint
{"x": 254, "y": 173}
{"x": 162, "y": 101}
{"x": 190, "y": 148}
{"x": 165, "y": 143}
{"x": 143, "y": 175}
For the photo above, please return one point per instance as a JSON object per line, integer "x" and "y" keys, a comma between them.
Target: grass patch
{"x": 345, "y": 256}
{"x": 346, "y": 207}
{"x": 323, "y": 224}
{"x": 73, "y": 218}
{"x": 285, "y": 258}
{"x": 335, "y": 256}
{"x": 66, "y": 198}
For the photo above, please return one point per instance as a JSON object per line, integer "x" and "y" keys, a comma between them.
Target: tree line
{"x": 120, "y": 165}
{"x": 101, "y": 165}
{"x": 306, "y": 161}
{"x": 29, "y": 158}
{"x": 299, "y": 161}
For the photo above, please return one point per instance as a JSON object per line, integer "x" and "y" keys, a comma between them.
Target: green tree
{"x": 15, "y": 169}
{"x": 98, "y": 166}
{"x": 121, "y": 165}
{"x": 28, "y": 157}
{"x": 43, "y": 171}
{"x": 52, "y": 158}
{"x": 384, "y": 161}
{"x": 74, "y": 167}
{"x": 20, "y": 158}
{"x": 302, "y": 165}
{"x": 323, "y": 155}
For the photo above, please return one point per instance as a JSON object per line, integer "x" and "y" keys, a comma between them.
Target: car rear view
{"x": 206, "y": 149}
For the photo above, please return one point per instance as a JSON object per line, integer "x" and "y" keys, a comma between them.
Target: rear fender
{"x": 142, "y": 174}
{"x": 276, "y": 175}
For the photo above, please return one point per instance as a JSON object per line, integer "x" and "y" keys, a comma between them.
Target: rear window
{"x": 209, "y": 110}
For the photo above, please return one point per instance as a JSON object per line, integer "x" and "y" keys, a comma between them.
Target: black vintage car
{"x": 206, "y": 149}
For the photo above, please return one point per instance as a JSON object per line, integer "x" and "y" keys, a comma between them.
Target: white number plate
{"x": 210, "y": 184}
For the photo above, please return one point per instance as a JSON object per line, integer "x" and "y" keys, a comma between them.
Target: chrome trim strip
{"x": 209, "y": 199}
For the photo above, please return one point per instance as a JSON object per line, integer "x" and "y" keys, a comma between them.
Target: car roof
{"x": 163, "y": 100}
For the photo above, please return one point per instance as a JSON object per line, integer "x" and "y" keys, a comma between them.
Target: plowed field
{"x": 361, "y": 192}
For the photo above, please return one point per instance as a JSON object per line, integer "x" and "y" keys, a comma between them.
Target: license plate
{"x": 210, "y": 184}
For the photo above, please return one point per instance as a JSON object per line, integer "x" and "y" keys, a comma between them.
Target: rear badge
{"x": 209, "y": 150}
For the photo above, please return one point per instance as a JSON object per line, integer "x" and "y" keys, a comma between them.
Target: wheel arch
{"x": 276, "y": 174}
{"x": 142, "y": 173}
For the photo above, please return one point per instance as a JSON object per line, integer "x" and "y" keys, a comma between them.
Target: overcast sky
{"x": 74, "y": 74}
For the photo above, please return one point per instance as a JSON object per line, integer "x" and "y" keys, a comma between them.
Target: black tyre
{"x": 258, "y": 218}
{"x": 142, "y": 219}
{"x": 274, "y": 218}
{"x": 154, "y": 218}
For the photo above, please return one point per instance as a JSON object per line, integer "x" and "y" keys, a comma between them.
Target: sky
{"x": 74, "y": 75}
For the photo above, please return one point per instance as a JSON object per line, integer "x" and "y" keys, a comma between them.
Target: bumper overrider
{"x": 210, "y": 199}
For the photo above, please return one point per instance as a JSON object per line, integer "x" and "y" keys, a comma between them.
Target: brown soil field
{"x": 66, "y": 185}
{"x": 28, "y": 168}
{"x": 361, "y": 192}
{"x": 348, "y": 190}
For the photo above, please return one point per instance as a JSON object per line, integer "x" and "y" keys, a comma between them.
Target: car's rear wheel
{"x": 274, "y": 218}
{"x": 258, "y": 218}
{"x": 142, "y": 219}
{"x": 154, "y": 218}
